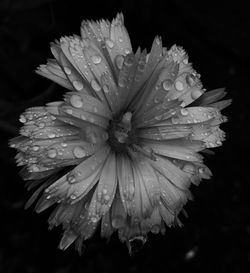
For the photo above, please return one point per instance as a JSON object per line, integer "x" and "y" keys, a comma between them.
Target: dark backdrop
{"x": 215, "y": 237}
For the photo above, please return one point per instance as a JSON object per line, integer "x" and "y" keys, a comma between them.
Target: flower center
{"x": 121, "y": 133}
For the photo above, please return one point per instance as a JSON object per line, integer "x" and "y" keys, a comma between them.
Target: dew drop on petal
{"x": 41, "y": 125}
{"x": 179, "y": 85}
{"x": 119, "y": 59}
{"x": 109, "y": 43}
{"x": 73, "y": 196}
{"x": 76, "y": 101}
{"x": 201, "y": 170}
{"x": 83, "y": 117}
{"x": 105, "y": 89}
{"x": 35, "y": 148}
{"x": 79, "y": 152}
{"x": 78, "y": 85}
{"x": 94, "y": 219}
{"x": 52, "y": 153}
{"x": 184, "y": 112}
{"x": 95, "y": 85}
{"x": 96, "y": 59}
{"x": 63, "y": 144}
{"x": 127, "y": 51}
{"x": 189, "y": 168}
{"x": 167, "y": 84}
{"x": 51, "y": 135}
{"x": 195, "y": 94}
{"x": 71, "y": 179}
{"x": 175, "y": 120}
{"x": 67, "y": 70}
{"x": 22, "y": 119}
{"x": 190, "y": 79}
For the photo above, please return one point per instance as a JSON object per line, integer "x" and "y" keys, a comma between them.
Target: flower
{"x": 123, "y": 147}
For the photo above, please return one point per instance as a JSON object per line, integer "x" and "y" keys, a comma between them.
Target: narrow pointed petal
{"x": 105, "y": 191}
{"x": 126, "y": 182}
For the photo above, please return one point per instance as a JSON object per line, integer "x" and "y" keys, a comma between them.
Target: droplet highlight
{"x": 76, "y": 101}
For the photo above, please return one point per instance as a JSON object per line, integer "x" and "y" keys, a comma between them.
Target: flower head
{"x": 123, "y": 147}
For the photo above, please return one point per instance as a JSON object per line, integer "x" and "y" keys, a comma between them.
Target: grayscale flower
{"x": 123, "y": 147}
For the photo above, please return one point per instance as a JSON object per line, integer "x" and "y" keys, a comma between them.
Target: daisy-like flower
{"x": 123, "y": 147}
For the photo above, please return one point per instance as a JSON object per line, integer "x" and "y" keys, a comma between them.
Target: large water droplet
{"x": 41, "y": 125}
{"x": 51, "y": 135}
{"x": 105, "y": 88}
{"x": 78, "y": 85}
{"x": 95, "y": 85}
{"x": 119, "y": 59}
{"x": 67, "y": 70}
{"x": 109, "y": 43}
{"x": 179, "y": 85}
{"x": 167, "y": 85}
{"x": 52, "y": 153}
{"x": 96, "y": 59}
{"x": 76, "y": 101}
{"x": 22, "y": 119}
{"x": 71, "y": 179}
{"x": 79, "y": 152}
{"x": 35, "y": 148}
{"x": 184, "y": 112}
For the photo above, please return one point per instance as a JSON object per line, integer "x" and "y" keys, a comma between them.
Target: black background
{"x": 215, "y": 237}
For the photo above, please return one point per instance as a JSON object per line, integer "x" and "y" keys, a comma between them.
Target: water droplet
{"x": 184, "y": 112}
{"x": 94, "y": 219}
{"x": 201, "y": 170}
{"x": 22, "y": 119}
{"x": 190, "y": 79}
{"x": 71, "y": 179}
{"x": 106, "y": 198}
{"x": 35, "y": 148}
{"x": 189, "y": 168}
{"x": 73, "y": 196}
{"x": 196, "y": 93}
{"x": 120, "y": 39}
{"x": 96, "y": 59}
{"x": 34, "y": 168}
{"x": 158, "y": 118}
{"x": 67, "y": 70}
{"x": 156, "y": 100}
{"x": 48, "y": 197}
{"x": 131, "y": 190}
{"x": 63, "y": 144}
{"x": 79, "y": 152}
{"x": 51, "y": 135}
{"x": 175, "y": 120}
{"x": 105, "y": 88}
{"x": 78, "y": 85}
{"x": 95, "y": 85}
{"x": 41, "y": 125}
{"x": 119, "y": 59}
{"x": 167, "y": 85}
{"x": 69, "y": 111}
{"x": 109, "y": 43}
{"x": 179, "y": 85}
{"x": 52, "y": 153}
{"x": 76, "y": 101}
{"x": 83, "y": 117}
{"x": 127, "y": 51}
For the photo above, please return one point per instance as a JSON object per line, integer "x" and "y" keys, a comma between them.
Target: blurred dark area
{"x": 216, "y": 35}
